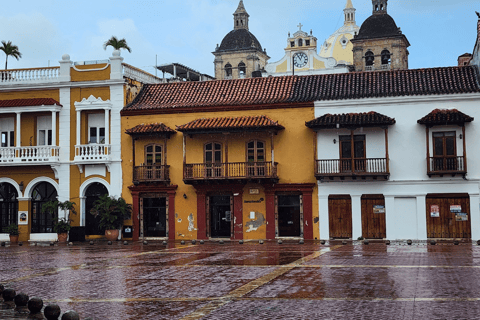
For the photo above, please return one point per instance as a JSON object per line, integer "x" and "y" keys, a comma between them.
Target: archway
{"x": 92, "y": 194}
{"x": 42, "y": 193}
{"x": 8, "y": 205}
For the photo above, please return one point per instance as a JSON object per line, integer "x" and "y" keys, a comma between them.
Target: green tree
{"x": 117, "y": 44}
{"x": 10, "y": 50}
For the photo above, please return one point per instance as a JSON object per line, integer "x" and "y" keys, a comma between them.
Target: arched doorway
{"x": 93, "y": 192}
{"x": 8, "y": 205}
{"x": 43, "y": 222}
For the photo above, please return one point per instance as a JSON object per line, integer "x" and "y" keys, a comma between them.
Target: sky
{"x": 187, "y": 31}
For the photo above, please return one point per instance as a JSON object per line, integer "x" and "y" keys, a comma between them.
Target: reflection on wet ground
{"x": 249, "y": 281}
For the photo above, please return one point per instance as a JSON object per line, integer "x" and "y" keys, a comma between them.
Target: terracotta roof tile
{"x": 231, "y": 123}
{"x": 149, "y": 129}
{"x": 348, "y": 120}
{"x": 166, "y": 97}
{"x": 29, "y": 102}
{"x": 445, "y": 117}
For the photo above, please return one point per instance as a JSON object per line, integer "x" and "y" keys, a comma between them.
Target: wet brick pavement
{"x": 249, "y": 281}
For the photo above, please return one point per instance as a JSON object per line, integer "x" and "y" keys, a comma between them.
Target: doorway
{"x": 220, "y": 216}
{"x": 448, "y": 216}
{"x": 92, "y": 194}
{"x": 340, "y": 216}
{"x": 373, "y": 216}
{"x": 154, "y": 217}
{"x": 289, "y": 211}
{"x": 41, "y": 194}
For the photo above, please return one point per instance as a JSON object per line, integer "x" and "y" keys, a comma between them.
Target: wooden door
{"x": 445, "y": 223}
{"x": 373, "y": 217}
{"x": 340, "y": 216}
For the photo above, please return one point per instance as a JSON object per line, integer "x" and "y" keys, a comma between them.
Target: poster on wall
{"x": 435, "y": 211}
{"x": 456, "y": 208}
{"x": 461, "y": 216}
{"x": 22, "y": 217}
{"x": 378, "y": 209}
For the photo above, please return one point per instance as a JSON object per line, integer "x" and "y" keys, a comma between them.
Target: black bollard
{"x": 221, "y": 242}
{"x": 194, "y": 241}
{"x": 52, "y": 312}
{"x": 182, "y": 242}
{"x": 109, "y": 243}
{"x": 240, "y": 242}
{"x": 8, "y": 297}
{"x": 280, "y": 241}
{"x": 20, "y": 243}
{"x": 456, "y": 242}
{"x": 70, "y": 315}
{"x": 433, "y": 242}
{"x": 164, "y": 243}
{"x": 365, "y": 242}
{"x": 260, "y": 241}
{"x": 125, "y": 243}
{"x": 322, "y": 242}
{"x": 1, "y": 292}
{"x": 91, "y": 242}
{"x": 145, "y": 242}
{"x": 301, "y": 242}
{"x": 387, "y": 242}
{"x": 35, "y": 306}
{"x": 409, "y": 242}
{"x": 344, "y": 242}
{"x": 21, "y": 301}
{"x": 3, "y": 244}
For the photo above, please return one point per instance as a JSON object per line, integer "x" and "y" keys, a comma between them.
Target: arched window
{"x": 369, "y": 58}
{"x": 300, "y": 42}
{"x": 228, "y": 70}
{"x": 8, "y": 205}
{"x": 385, "y": 57}
{"x": 93, "y": 192}
{"x": 242, "y": 69}
{"x": 153, "y": 154}
{"x": 43, "y": 222}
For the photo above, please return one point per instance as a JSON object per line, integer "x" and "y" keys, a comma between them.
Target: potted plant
{"x": 112, "y": 212}
{"x": 12, "y": 230}
{"x": 61, "y": 226}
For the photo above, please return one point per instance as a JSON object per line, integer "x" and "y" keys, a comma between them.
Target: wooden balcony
{"x": 376, "y": 168}
{"x": 446, "y": 165}
{"x": 230, "y": 172}
{"x": 151, "y": 173}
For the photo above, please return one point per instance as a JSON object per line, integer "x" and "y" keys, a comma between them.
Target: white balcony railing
{"x": 32, "y": 75}
{"x": 29, "y": 155}
{"x": 385, "y": 67}
{"x": 92, "y": 152}
{"x": 369, "y": 68}
{"x": 139, "y": 75}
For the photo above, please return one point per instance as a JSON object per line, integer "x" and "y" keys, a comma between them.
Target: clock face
{"x": 300, "y": 60}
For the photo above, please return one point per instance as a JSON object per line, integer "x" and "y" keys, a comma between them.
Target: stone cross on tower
{"x": 300, "y": 25}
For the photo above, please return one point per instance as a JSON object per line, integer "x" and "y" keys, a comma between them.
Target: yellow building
{"x": 60, "y": 139}
{"x": 220, "y": 159}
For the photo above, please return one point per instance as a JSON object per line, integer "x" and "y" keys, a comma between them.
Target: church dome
{"x": 378, "y": 26}
{"x": 239, "y": 39}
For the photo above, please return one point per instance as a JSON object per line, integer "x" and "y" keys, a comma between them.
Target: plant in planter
{"x": 12, "y": 230}
{"x": 112, "y": 212}
{"x": 62, "y": 226}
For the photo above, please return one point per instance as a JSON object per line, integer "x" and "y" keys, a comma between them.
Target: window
{"x": 213, "y": 159}
{"x": 153, "y": 154}
{"x": 96, "y": 128}
{"x": 256, "y": 158}
{"x": 44, "y": 131}
{"x": 300, "y": 42}
{"x": 369, "y": 58}
{"x": 385, "y": 57}
{"x": 8, "y": 205}
{"x": 7, "y": 135}
{"x": 444, "y": 151}
{"x": 228, "y": 70}
{"x": 292, "y": 44}
{"x": 357, "y": 154}
{"x": 242, "y": 69}
{"x": 307, "y": 42}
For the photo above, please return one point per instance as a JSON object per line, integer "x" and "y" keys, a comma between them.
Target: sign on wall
{"x": 435, "y": 211}
{"x": 22, "y": 217}
{"x": 378, "y": 208}
{"x": 461, "y": 216}
{"x": 455, "y": 208}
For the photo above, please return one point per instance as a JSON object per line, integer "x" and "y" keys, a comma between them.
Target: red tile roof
{"x": 294, "y": 90}
{"x": 29, "y": 102}
{"x": 349, "y": 120}
{"x": 445, "y": 117}
{"x": 231, "y": 124}
{"x": 150, "y": 129}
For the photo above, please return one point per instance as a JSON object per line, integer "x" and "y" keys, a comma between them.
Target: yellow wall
{"x": 94, "y": 73}
{"x": 293, "y": 152}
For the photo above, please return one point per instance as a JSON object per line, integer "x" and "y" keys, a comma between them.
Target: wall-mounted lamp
{"x": 21, "y": 186}
{"x": 184, "y": 196}
{"x": 461, "y": 136}
{"x": 334, "y": 141}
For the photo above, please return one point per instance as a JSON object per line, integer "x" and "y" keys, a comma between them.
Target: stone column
{"x": 19, "y": 130}
{"x": 356, "y": 216}
{"x": 54, "y": 128}
{"x": 65, "y": 66}
{"x": 324, "y": 224}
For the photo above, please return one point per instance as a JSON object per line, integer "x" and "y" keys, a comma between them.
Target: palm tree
{"x": 10, "y": 50}
{"x": 117, "y": 44}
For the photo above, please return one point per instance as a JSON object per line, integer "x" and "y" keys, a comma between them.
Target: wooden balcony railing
{"x": 232, "y": 170}
{"x": 151, "y": 173}
{"x": 343, "y": 167}
{"x": 29, "y": 155}
{"x": 447, "y": 165}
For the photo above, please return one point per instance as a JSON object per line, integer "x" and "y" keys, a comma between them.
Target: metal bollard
{"x": 52, "y": 312}
{"x": 70, "y": 315}
{"x": 409, "y": 242}
{"x": 21, "y": 301}
{"x": 35, "y": 306}
{"x": 366, "y": 242}
{"x": 322, "y": 242}
{"x": 8, "y": 296}
{"x": 301, "y": 242}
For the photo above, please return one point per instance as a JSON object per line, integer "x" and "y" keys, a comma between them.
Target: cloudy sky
{"x": 187, "y": 31}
